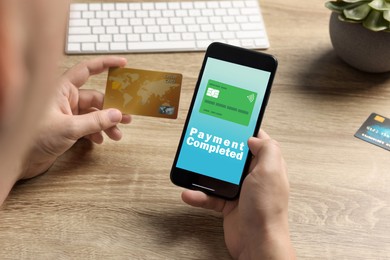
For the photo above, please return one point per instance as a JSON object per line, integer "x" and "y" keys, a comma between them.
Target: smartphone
{"x": 227, "y": 108}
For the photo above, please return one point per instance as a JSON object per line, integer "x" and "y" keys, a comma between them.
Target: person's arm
{"x": 256, "y": 225}
{"x": 74, "y": 114}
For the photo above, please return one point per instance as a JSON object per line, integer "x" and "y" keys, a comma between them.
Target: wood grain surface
{"x": 115, "y": 201}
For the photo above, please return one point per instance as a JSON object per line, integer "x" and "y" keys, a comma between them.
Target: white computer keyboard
{"x": 164, "y": 26}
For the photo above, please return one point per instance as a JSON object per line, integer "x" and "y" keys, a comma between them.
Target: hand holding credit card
{"x": 143, "y": 92}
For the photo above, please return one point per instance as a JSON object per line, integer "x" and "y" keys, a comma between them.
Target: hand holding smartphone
{"x": 227, "y": 108}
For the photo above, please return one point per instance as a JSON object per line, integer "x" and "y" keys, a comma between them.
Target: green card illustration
{"x": 228, "y": 102}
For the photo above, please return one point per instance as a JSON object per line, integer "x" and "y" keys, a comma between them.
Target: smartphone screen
{"x": 225, "y": 112}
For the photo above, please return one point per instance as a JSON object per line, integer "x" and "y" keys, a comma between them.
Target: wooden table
{"x": 115, "y": 201}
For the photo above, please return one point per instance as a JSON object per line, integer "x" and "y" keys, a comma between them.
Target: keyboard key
{"x": 88, "y": 15}
{"x": 189, "y": 20}
{"x": 133, "y": 38}
{"x": 187, "y": 5}
{"x": 193, "y": 28}
{"x": 79, "y": 7}
{"x": 212, "y": 4}
{"x": 147, "y": 6}
{"x": 103, "y": 46}
{"x": 80, "y": 30}
{"x": 147, "y": 37}
{"x": 105, "y": 38}
{"x": 155, "y": 13}
{"x": 233, "y": 27}
{"x": 108, "y": 22}
{"x": 167, "y": 28}
{"x": 108, "y": 6}
{"x": 134, "y": 6}
{"x": 95, "y": 22}
{"x": 139, "y": 29}
{"x": 75, "y": 15}
{"x": 112, "y": 29}
{"x": 121, "y": 6}
{"x": 135, "y": 21}
{"x": 220, "y": 12}
{"x": 78, "y": 22}
{"x": 149, "y": 21}
{"x": 188, "y": 36}
{"x": 206, "y": 27}
{"x": 174, "y": 37}
{"x": 161, "y": 37}
{"x": 74, "y": 47}
{"x": 251, "y": 26}
{"x": 174, "y": 5}
{"x": 95, "y": 7}
{"x": 153, "y": 29}
{"x": 118, "y": 46}
{"x": 82, "y": 38}
{"x": 238, "y": 4}
{"x": 247, "y": 34}
{"x": 215, "y": 35}
{"x": 122, "y": 22}
{"x": 199, "y": 5}
{"x": 115, "y": 14}
{"x": 203, "y": 44}
{"x": 101, "y": 14}
{"x": 220, "y": 27}
{"x": 162, "y": 46}
{"x": 119, "y": 38}
{"x": 99, "y": 30}
{"x": 128, "y": 14}
{"x": 126, "y": 29}
{"x": 201, "y": 36}
{"x": 88, "y": 46}
{"x": 161, "y": 6}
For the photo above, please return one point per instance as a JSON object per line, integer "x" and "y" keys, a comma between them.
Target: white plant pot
{"x": 359, "y": 47}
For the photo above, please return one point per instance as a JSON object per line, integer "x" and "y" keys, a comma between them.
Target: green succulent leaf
{"x": 352, "y": 1}
{"x": 342, "y": 18}
{"x": 341, "y": 6}
{"x": 380, "y": 5}
{"x": 386, "y": 15}
{"x": 375, "y": 21}
{"x": 358, "y": 13}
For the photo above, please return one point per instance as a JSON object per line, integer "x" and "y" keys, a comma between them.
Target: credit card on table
{"x": 376, "y": 130}
{"x": 143, "y": 92}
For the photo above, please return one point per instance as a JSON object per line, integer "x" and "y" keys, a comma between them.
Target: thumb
{"x": 254, "y": 145}
{"x": 94, "y": 122}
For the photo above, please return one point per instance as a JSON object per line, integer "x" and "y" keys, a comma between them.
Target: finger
{"x": 114, "y": 133}
{"x": 90, "y": 98}
{"x": 126, "y": 119}
{"x": 201, "y": 200}
{"x": 94, "y": 122}
{"x": 97, "y": 138}
{"x": 80, "y": 73}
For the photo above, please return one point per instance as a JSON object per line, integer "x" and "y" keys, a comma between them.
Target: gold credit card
{"x": 143, "y": 92}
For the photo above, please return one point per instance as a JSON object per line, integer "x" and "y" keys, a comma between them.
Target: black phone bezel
{"x": 237, "y": 55}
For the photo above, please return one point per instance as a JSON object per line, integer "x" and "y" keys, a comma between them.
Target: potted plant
{"x": 360, "y": 33}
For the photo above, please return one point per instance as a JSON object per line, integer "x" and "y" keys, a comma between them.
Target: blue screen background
{"x": 215, "y": 165}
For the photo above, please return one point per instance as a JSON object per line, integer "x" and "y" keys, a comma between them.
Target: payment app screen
{"x": 223, "y": 118}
